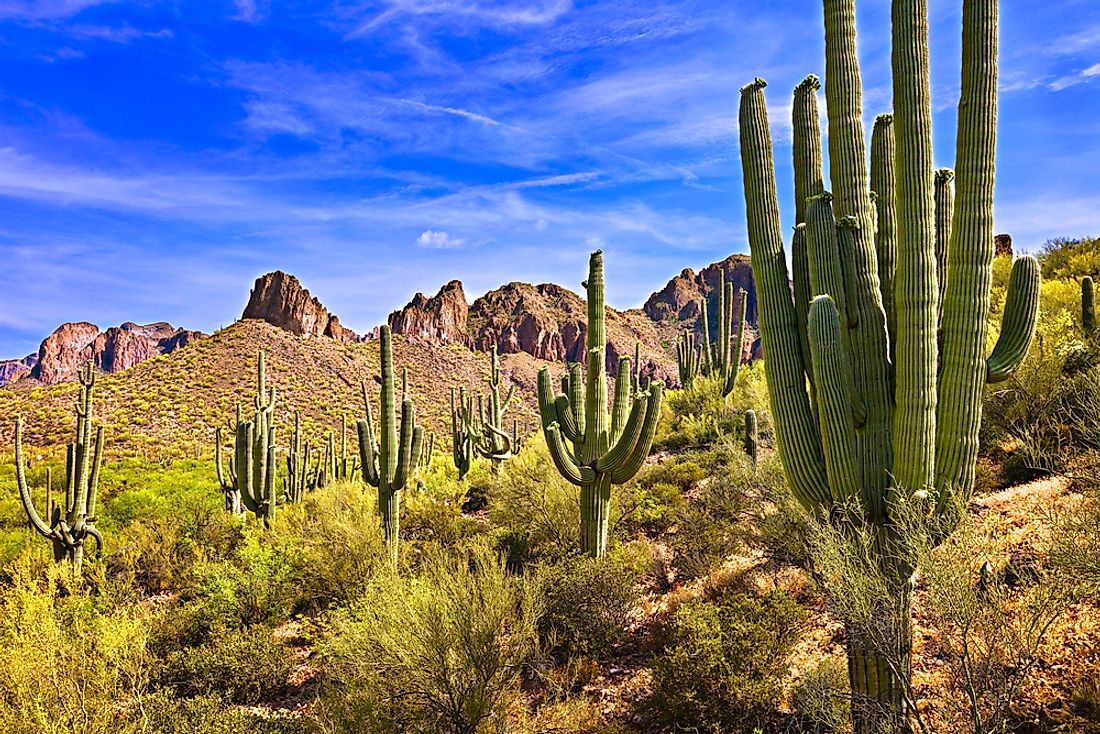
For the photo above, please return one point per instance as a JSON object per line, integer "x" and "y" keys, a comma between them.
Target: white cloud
{"x": 439, "y": 240}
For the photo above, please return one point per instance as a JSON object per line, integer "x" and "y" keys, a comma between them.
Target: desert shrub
{"x": 1063, "y": 257}
{"x": 256, "y": 587}
{"x": 651, "y": 502}
{"x": 822, "y": 698}
{"x": 213, "y": 714}
{"x": 700, "y": 416}
{"x": 245, "y": 666}
{"x": 535, "y": 512}
{"x": 333, "y": 544}
{"x": 433, "y": 513}
{"x": 575, "y": 715}
{"x": 436, "y": 652}
{"x": 721, "y": 664}
{"x": 587, "y": 603}
{"x": 67, "y": 659}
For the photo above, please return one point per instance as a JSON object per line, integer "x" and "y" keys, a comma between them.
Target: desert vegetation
{"x": 888, "y": 524}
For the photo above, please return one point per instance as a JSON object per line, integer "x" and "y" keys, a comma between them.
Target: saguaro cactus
{"x": 389, "y": 462}
{"x": 723, "y": 355}
{"x": 300, "y": 477}
{"x": 687, "y": 359}
{"x": 877, "y": 432}
{"x": 69, "y": 525}
{"x": 607, "y": 448}
{"x": 752, "y": 434}
{"x": 255, "y": 451}
{"x": 228, "y": 480}
{"x": 494, "y": 442}
{"x": 465, "y": 430}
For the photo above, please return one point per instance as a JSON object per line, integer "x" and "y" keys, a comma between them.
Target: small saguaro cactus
{"x": 607, "y": 448}
{"x": 1088, "y": 307}
{"x": 427, "y": 452}
{"x": 896, "y": 371}
{"x": 388, "y": 463}
{"x": 723, "y": 355}
{"x": 494, "y": 442}
{"x": 228, "y": 479}
{"x": 255, "y": 451}
{"x": 752, "y": 434}
{"x": 69, "y": 525}
{"x": 465, "y": 430}
{"x": 687, "y": 359}
{"x": 299, "y": 476}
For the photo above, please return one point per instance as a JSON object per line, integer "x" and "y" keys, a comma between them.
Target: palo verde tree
{"x": 606, "y": 448}
{"x": 895, "y": 372}
{"x": 72, "y": 522}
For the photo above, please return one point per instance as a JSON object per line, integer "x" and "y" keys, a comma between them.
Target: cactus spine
{"x": 865, "y": 433}
{"x": 69, "y": 525}
{"x": 388, "y": 462}
{"x": 687, "y": 359}
{"x": 752, "y": 434}
{"x": 607, "y": 447}
{"x": 1088, "y": 307}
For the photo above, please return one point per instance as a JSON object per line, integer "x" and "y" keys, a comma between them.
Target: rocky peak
{"x": 279, "y": 299}
{"x": 1002, "y": 245}
{"x": 64, "y": 352}
{"x": 14, "y": 370}
{"x": 679, "y": 299}
{"x": 441, "y": 318}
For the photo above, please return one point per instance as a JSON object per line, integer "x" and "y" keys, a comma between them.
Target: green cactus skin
{"x": 427, "y": 453}
{"x": 1088, "y": 307}
{"x": 255, "y": 451}
{"x": 687, "y": 359}
{"x": 388, "y": 463}
{"x": 608, "y": 447}
{"x": 752, "y": 435}
{"x": 464, "y": 431}
{"x": 70, "y": 525}
{"x": 883, "y": 155}
{"x": 868, "y": 438}
{"x": 808, "y": 181}
{"x": 723, "y": 355}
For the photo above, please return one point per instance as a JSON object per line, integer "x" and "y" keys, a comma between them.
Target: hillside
{"x": 170, "y": 405}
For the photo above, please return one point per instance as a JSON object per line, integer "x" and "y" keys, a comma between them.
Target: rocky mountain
{"x": 279, "y": 299}
{"x": 441, "y": 318}
{"x": 71, "y": 345}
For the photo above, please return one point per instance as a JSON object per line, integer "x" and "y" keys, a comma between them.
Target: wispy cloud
{"x": 439, "y": 240}
{"x": 505, "y": 13}
{"x": 34, "y": 10}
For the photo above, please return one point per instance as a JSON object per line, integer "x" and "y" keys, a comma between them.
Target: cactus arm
{"x": 388, "y": 453}
{"x": 269, "y": 483}
{"x": 95, "y": 535}
{"x": 826, "y": 272}
{"x": 97, "y": 463}
{"x": 800, "y": 265}
{"x": 559, "y": 454}
{"x": 417, "y": 449}
{"x": 838, "y": 436}
{"x": 705, "y": 346}
{"x": 24, "y": 491}
{"x": 883, "y": 156}
{"x": 218, "y": 459}
{"x": 368, "y": 460}
{"x": 945, "y": 208}
{"x": 640, "y": 450}
{"x": 405, "y": 445}
{"x": 752, "y": 434}
{"x": 1088, "y": 306}
{"x": 1021, "y": 315}
{"x": 246, "y": 434}
{"x": 621, "y": 402}
{"x": 564, "y": 416}
{"x": 738, "y": 346}
{"x": 624, "y": 444}
{"x": 916, "y": 292}
{"x": 796, "y": 432}
{"x": 576, "y": 400}
{"x": 546, "y": 400}
{"x": 970, "y": 256}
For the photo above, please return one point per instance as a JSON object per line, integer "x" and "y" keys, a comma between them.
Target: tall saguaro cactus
{"x": 465, "y": 430}
{"x": 255, "y": 451}
{"x": 687, "y": 359}
{"x": 70, "y": 524}
{"x": 895, "y": 406}
{"x": 607, "y": 447}
{"x": 723, "y": 355}
{"x": 495, "y": 444}
{"x": 388, "y": 462}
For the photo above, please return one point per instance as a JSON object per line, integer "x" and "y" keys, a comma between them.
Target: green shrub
{"x": 245, "y": 666}
{"x": 587, "y": 604}
{"x": 213, "y": 715}
{"x": 721, "y": 664}
{"x": 822, "y": 698}
{"x": 440, "y": 651}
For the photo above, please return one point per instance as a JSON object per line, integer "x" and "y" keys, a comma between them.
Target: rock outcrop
{"x": 679, "y": 299}
{"x": 1002, "y": 245}
{"x": 71, "y": 345}
{"x": 14, "y": 370}
{"x": 441, "y": 318}
{"x": 280, "y": 300}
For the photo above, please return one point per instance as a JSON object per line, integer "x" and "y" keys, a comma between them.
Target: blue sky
{"x": 156, "y": 156}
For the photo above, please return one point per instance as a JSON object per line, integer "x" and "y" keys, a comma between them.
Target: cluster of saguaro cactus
{"x": 606, "y": 448}
{"x": 69, "y": 524}
{"x": 723, "y": 355}
{"x": 303, "y": 474}
{"x": 687, "y": 359}
{"x": 896, "y": 371}
{"x": 752, "y": 434}
{"x": 253, "y": 469}
{"x": 337, "y": 467}
{"x": 388, "y": 459}
{"x": 465, "y": 431}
